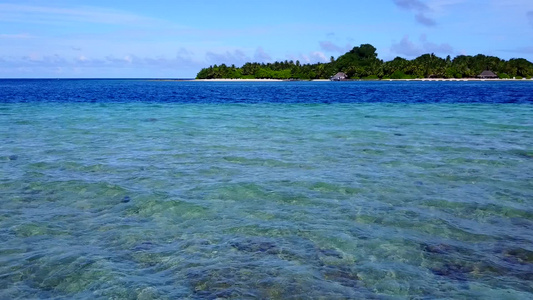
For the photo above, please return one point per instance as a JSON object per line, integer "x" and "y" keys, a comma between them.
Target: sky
{"x": 175, "y": 38}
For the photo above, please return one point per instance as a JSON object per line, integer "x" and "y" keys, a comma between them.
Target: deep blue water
{"x": 137, "y": 189}
{"x": 118, "y": 91}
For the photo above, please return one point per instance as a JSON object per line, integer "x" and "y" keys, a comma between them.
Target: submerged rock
{"x": 518, "y": 255}
{"x": 439, "y": 249}
{"x": 445, "y": 249}
{"x": 342, "y": 274}
{"x": 330, "y": 252}
{"x": 150, "y": 120}
{"x": 250, "y": 245}
{"x": 453, "y": 271}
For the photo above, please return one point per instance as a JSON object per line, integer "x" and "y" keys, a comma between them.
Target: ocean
{"x": 140, "y": 189}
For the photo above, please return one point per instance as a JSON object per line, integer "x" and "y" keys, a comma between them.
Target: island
{"x": 362, "y": 62}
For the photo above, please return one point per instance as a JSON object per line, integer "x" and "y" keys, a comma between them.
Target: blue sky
{"x": 175, "y": 39}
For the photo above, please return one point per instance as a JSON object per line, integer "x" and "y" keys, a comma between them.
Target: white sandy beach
{"x": 237, "y": 79}
{"x": 416, "y": 79}
{"x": 323, "y": 80}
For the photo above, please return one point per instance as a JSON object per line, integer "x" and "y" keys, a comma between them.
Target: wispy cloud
{"x": 422, "y": 19}
{"x": 411, "y": 4}
{"x": 185, "y": 60}
{"x": 15, "y": 36}
{"x": 529, "y": 16}
{"x": 410, "y": 49}
{"x": 310, "y": 58}
{"x": 261, "y": 56}
{"x": 236, "y": 57}
{"x": 35, "y": 61}
{"x": 239, "y": 57}
{"x": 420, "y": 9}
{"x": 443, "y": 48}
{"x": 406, "y": 47}
{"x": 317, "y": 56}
{"x": 522, "y": 50}
{"x": 58, "y": 15}
{"x": 331, "y": 47}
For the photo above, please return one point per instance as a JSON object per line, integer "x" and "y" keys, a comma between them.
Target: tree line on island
{"x": 363, "y": 63}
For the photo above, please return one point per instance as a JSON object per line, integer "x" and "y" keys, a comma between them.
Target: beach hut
{"x": 487, "y": 74}
{"x": 339, "y": 76}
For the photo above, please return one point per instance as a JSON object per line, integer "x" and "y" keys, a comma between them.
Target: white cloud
{"x": 331, "y": 47}
{"x": 408, "y": 48}
{"x": 442, "y": 6}
{"x": 184, "y": 52}
{"x": 33, "y": 57}
{"x": 15, "y": 36}
{"x": 79, "y": 65}
{"x": 236, "y": 57}
{"x": 58, "y": 15}
{"x": 512, "y": 11}
{"x": 420, "y": 9}
{"x": 411, "y": 4}
{"x": 422, "y": 19}
{"x": 522, "y": 50}
{"x": 318, "y": 56}
{"x": 310, "y": 58}
{"x": 261, "y": 56}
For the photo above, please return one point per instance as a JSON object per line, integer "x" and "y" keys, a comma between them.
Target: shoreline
{"x": 240, "y": 79}
{"x": 327, "y": 80}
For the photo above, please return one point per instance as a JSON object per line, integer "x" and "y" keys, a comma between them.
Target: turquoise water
{"x": 147, "y": 200}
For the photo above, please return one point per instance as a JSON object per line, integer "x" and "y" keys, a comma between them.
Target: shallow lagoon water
{"x": 154, "y": 190}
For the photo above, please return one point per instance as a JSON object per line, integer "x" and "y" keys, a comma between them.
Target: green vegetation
{"x": 363, "y": 63}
